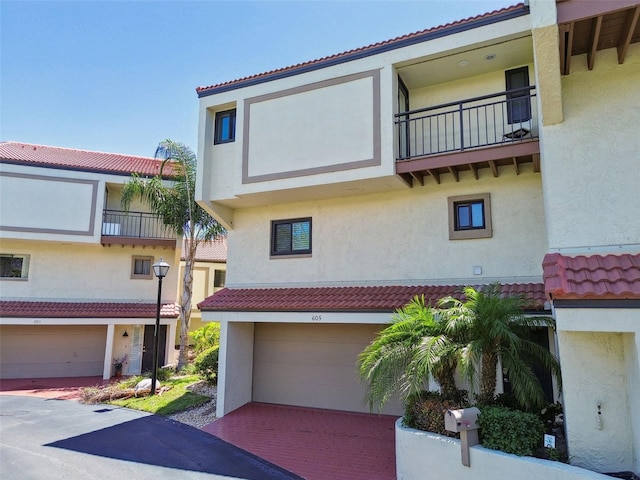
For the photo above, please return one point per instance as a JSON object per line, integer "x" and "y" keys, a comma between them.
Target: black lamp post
{"x": 160, "y": 269}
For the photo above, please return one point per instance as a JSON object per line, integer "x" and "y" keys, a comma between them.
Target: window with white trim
{"x": 14, "y": 267}
{"x": 470, "y": 216}
{"x": 291, "y": 237}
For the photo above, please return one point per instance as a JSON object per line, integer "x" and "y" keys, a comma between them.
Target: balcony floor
{"x": 509, "y": 154}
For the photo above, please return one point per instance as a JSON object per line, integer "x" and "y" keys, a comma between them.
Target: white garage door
{"x": 311, "y": 365}
{"x": 39, "y": 351}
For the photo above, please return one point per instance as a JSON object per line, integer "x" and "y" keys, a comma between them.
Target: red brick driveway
{"x": 316, "y": 444}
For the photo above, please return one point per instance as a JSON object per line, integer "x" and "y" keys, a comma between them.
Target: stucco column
{"x": 235, "y": 366}
{"x": 108, "y": 352}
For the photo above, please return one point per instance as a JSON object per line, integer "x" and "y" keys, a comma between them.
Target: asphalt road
{"x": 65, "y": 440}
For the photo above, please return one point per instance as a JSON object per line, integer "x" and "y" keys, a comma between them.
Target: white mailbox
{"x": 464, "y": 421}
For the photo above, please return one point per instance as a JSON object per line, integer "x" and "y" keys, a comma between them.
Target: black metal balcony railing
{"x": 476, "y": 122}
{"x": 117, "y": 223}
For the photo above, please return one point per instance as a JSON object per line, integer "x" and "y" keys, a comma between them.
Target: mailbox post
{"x": 465, "y": 422}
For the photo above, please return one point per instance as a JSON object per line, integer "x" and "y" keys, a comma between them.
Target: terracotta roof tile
{"x": 22, "y": 309}
{"x": 381, "y": 298}
{"x": 213, "y": 251}
{"x": 374, "y": 48}
{"x": 69, "y": 158}
{"x": 592, "y": 277}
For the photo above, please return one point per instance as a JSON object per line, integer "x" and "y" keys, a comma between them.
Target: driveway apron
{"x": 316, "y": 444}
{"x": 52, "y": 439}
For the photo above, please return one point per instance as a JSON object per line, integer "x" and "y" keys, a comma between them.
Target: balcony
{"x": 490, "y": 131}
{"x": 135, "y": 228}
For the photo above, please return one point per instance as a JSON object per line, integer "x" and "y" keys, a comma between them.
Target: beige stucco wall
{"x": 289, "y": 133}
{"x": 235, "y": 368}
{"x": 418, "y": 452}
{"x": 590, "y": 161}
{"x": 62, "y": 271}
{"x": 599, "y": 355}
{"x": 51, "y": 203}
{"x": 399, "y": 238}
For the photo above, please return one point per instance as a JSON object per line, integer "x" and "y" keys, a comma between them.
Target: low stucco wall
{"x": 418, "y": 452}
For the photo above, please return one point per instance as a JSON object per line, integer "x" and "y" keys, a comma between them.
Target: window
{"x": 225, "y": 129}
{"x": 518, "y": 103}
{"x": 291, "y": 237}
{"x": 14, "y": 266}
{"x": 470, "y": 217}
{"x": 141, "y": 268}
{"x": 219, "y": 278}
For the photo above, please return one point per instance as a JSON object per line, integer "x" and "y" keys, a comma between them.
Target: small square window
{"x": 291, "y": 237}
{"x": 219, "y": 278}
{"x": 470, "y": 217}
{"x": 141, "y": 268}
{"x": 14, "y": 266}
{"x": 225, "y": 129}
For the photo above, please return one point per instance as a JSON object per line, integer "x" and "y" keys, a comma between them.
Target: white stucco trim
{"x": 298, "y": 317}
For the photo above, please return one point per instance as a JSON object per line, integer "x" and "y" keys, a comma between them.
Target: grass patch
{"x": 174, "y": 400}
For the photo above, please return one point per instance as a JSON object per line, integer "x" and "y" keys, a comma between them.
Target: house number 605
{"x": 316, "y": 318}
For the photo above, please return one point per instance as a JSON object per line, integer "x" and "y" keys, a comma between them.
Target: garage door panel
{"x": 33, "y": 351}
{"x": 314, "y": 332}
{"x": 307, "y": 352}
{"x": 311, "y": 365}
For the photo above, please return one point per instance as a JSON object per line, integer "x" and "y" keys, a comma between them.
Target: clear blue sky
{"x": 120, "y": 76}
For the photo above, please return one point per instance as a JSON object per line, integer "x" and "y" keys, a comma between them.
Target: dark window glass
{"x": 11, "y": 266}
{"x": 219, "y": 278}
{"x": 225, "y": 129}
{"x": 518, "y": 103}
{"x": 469, "y": 215}
{"x": 291, "y": 237}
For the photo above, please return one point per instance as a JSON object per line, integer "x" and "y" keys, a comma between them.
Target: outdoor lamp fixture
{"x": 160, "y": 269}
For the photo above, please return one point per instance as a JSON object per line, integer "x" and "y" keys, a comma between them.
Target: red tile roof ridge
{"x": 364, "y": 48}
{"x": 73, "y": 158}
{"x": 597, "y": 276}
{"x": 79, "y": 150}
{"x": 341, "y": 298}
{"x": 84, "y": 309}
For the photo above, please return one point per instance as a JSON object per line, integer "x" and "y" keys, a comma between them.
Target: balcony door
{"x": 403, "y": 121}
{"x": 518, "y": 103}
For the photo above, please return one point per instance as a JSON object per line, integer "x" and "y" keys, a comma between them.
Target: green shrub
{"x": 425, "y": 410}
{"x": 511, "y": 431}
{"x": 207, "y": 364}
{"x": 205, "y": 337}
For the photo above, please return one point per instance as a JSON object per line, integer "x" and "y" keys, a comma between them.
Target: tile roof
{"x": 213, "y": 251}
{"x": 592, "y": 277}
{"x": 30, "y": 309}
{"x": 380, "y": 298}
{"x": 83, "y": 160}
{"x": 398, "y": 42}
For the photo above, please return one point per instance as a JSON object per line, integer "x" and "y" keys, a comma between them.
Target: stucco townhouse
{"x": 500, "y": 148}
{"x": 77, "y": 289}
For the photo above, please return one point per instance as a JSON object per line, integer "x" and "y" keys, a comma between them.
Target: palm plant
{"x": 403, "y": 356}
{"x": 175, "y": 205}
{"x": 492, "y": 328}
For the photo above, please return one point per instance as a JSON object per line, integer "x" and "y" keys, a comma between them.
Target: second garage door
{"x": 39, "y": 351}
{"x": 311, "y": 365}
